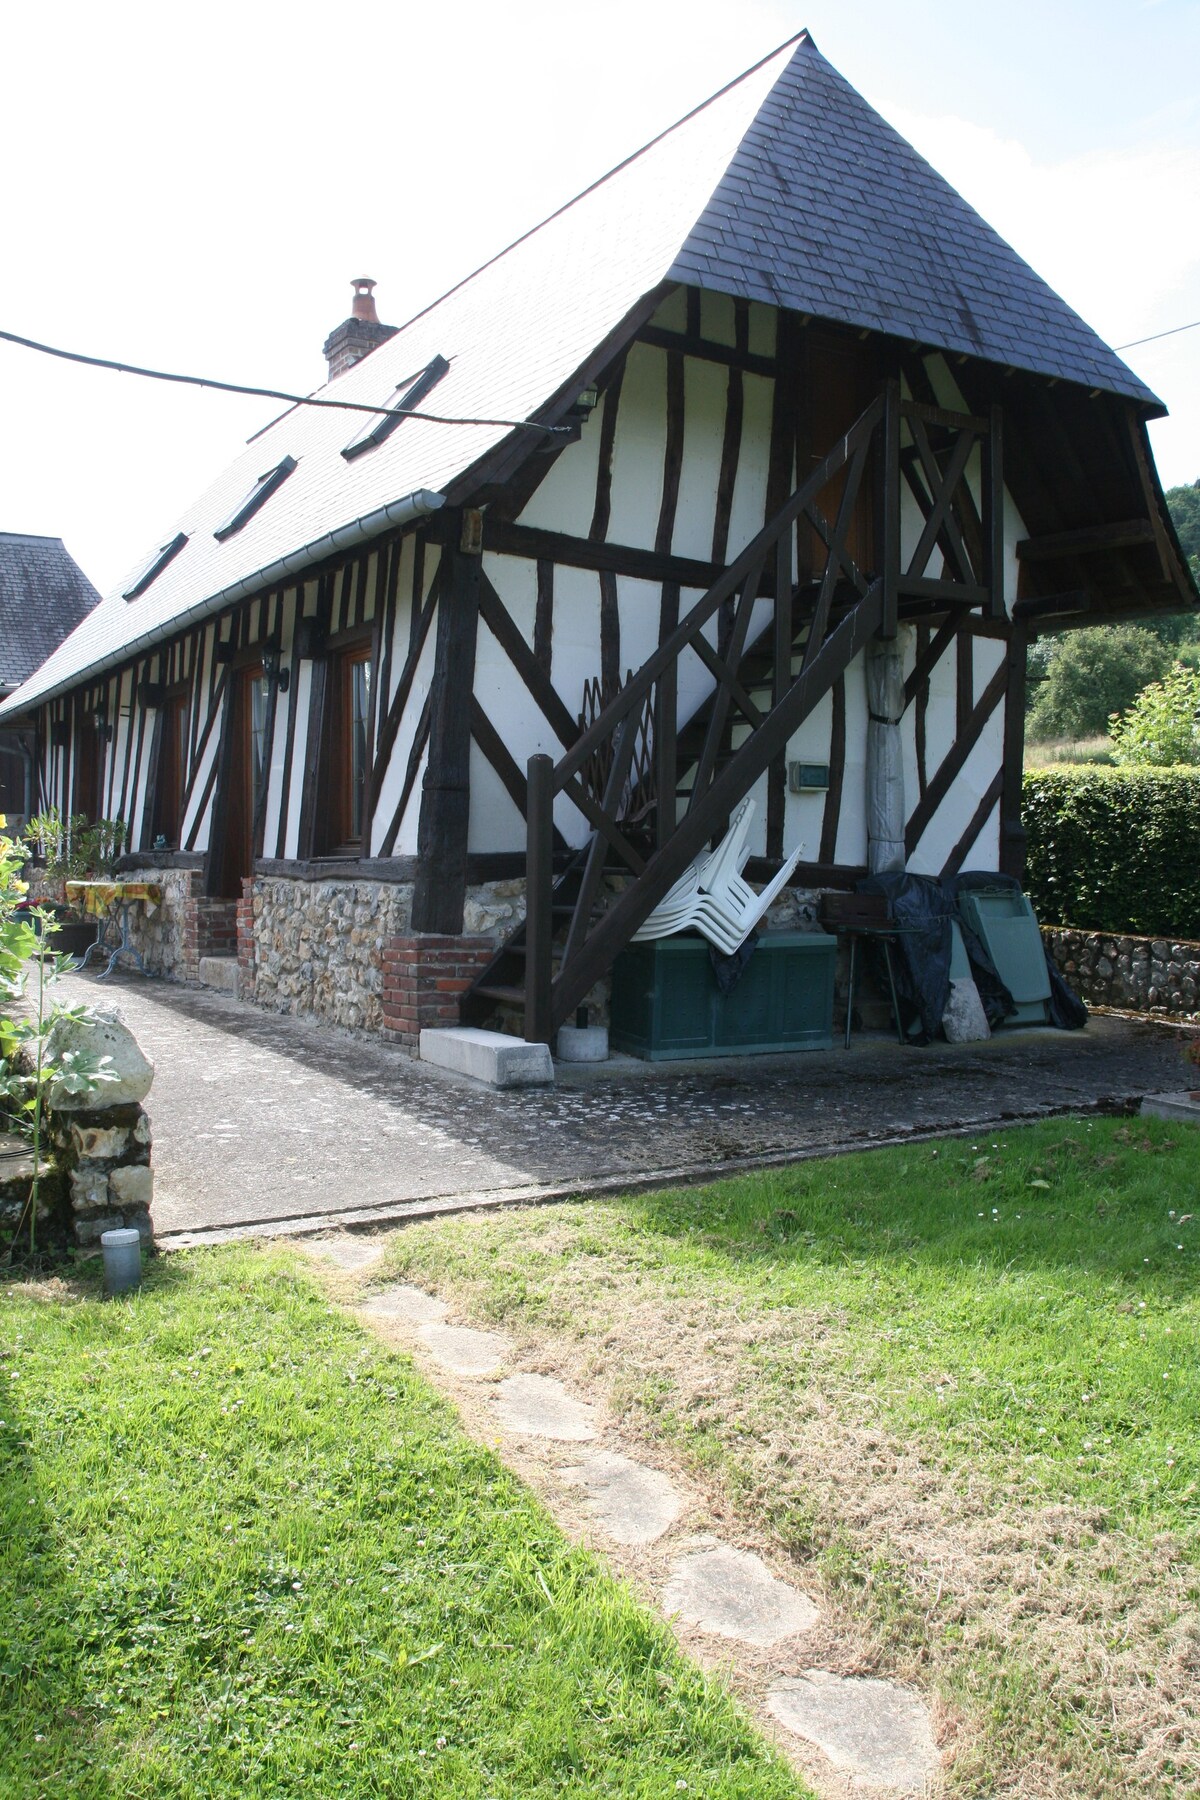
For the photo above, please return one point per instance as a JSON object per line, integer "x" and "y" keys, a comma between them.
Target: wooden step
{"x": 514, "y": 996}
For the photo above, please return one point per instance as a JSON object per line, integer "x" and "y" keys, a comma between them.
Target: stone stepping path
{"x": 464, "y": 1351}
{"x": 538, "y": 1406}
{"x": 634, "y": 1504}
{"x": 874, "y": 1730}
{"x": 350, "y": 1254}
{"x": 733, "y": 1594}
{"x": 410, "y": 1303}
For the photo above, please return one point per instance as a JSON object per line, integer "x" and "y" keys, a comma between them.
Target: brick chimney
{"x": 358, "y": 335}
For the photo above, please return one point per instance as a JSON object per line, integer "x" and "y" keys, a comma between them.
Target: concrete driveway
{"x": 270, "y": 1123}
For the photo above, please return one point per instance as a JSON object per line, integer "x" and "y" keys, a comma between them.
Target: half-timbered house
{"x": 759, "y": 461}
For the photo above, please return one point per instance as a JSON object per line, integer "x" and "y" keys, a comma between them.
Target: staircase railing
{"x": 841, "y": 608}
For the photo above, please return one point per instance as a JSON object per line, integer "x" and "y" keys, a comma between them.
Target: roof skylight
{"x": 408, "y": 395}
{"x": 259, "y": 494}
{"x": 157, "y": 563}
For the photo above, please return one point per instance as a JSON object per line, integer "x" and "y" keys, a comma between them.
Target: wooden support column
{"x": 539, "y": 901}
{"x": 1012, "y": 830}
{"x": 890, "y": 509}
{"x": 441, "y": 882}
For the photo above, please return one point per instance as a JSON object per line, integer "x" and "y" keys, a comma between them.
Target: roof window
{"x": 258, "y": 496}
{"x": 407, "y": 396}
{"x": 151, "y": 570}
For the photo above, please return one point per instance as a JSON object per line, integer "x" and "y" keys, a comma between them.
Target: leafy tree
{"x": 1183, "y": 504}
{"x": 1163, "y": 724}
{"x": 1090, "y": 674}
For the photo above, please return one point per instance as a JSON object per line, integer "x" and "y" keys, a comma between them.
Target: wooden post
{"x": 994, "y": 502}
{"x": 539, "y": 900}
{"x": 890, "y": 546}
{"x": 441, "y": 882}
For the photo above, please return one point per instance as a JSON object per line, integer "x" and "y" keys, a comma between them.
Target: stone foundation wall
{"x": 104, "y": 1154}
{"x": 1134, "y": 974}
{"x": 316, "y": 947}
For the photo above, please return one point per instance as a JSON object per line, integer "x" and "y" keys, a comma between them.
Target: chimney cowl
{"x": 358, "y": 335}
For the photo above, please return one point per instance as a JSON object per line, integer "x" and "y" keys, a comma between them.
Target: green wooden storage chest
{"x": 666, "y": 1002}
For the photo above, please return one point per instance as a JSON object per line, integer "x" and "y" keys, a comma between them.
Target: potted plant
{"x": 72, "y": 848}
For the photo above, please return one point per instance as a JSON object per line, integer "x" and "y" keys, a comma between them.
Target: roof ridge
{"x": 801, "y": 37}
{"x": 28, "y": 537}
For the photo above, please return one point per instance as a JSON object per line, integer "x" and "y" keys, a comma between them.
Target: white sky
{"x": 192, "y": 188}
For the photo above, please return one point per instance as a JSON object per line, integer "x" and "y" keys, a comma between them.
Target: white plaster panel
{"x": 671, "y": 315}
{"x": 748, "y": 512}
{"x": 704, "y": 388}
{"x": 406, "y": 838}
{"x": 763, "y": 321}
{"x": 277, "y": 751}
{"x": 940, "y": 716}
{"x": 638, "y": 603}
{"x": 716, "y": 317}
{"x": 496, "y": 822}
{"x": 566, "y": 498}
{"x": 639, "y": 449}
{"x": 954, "y": 814}
{"x": 393, "y": 781}
{"x": 803, "y": 814}
{"x": 575, "y": 654}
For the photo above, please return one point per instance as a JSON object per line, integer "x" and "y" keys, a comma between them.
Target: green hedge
{"x": 1115, "y": 849}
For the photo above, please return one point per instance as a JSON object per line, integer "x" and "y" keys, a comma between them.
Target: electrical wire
{"x": 1174, "y": 332}
{"x": 263, "y": 393}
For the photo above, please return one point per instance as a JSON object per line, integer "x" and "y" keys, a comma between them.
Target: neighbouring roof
{"x": 785, "y": 186}
{"x": 43, "y": 596}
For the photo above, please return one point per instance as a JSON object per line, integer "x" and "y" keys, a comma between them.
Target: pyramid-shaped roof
{"x": 785, "y": 187}
{"x": 826, "y": 209}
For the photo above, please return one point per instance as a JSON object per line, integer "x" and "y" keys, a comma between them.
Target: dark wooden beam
{"x": 1087, "y": 540}
{"x": 507, "y": 634}
{"x": 707, "y": 350}
{"x": 580, "y": 553}
{"x": 440, "y": 888}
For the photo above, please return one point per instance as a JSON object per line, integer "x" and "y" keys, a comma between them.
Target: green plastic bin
{"x": 666, "y": 1002}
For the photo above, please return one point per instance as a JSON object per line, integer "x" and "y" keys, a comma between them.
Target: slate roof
{"x": 43, "y": 596}
{"x": 785, "y": 186}
{"x": 826, "y": 209}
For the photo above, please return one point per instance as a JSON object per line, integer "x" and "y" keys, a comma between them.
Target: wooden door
{"x": 245, "y": 774}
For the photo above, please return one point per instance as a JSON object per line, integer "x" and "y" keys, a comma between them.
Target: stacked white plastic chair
{"x": 711, "y": 897}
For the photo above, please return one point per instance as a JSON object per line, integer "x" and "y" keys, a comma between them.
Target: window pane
{"x": 360, "y": 697}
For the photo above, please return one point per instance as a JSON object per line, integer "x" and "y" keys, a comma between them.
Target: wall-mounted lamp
{"x": 586, "y": 403}
{"x": 104, "y": 730}
{"x": 272, "y": 670}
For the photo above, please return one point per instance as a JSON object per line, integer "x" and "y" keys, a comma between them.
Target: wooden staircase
{"x": 652, "y": 815}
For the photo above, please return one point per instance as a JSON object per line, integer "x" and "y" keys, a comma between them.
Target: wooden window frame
{"x": 335, "y": 834}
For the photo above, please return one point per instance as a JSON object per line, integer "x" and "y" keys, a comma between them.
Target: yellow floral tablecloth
{"x": 96, "y": 897}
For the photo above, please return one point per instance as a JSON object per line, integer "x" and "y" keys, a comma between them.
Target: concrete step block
{"x": 489, "y": 1056}
{"x": 219, "y": 972}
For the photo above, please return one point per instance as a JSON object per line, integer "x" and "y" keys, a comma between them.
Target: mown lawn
{"x": 245, "y": 1554}
{"x": 960, "y": 1382}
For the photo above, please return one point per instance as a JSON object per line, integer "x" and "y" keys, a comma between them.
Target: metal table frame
{"x": 126, "y": 947}
{"x": 886, "y": 935}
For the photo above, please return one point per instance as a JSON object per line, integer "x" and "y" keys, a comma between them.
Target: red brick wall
{"x": 424, "y": 977}
{"x": 210, "y": 928}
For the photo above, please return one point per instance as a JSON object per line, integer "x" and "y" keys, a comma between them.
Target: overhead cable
{"x": 264, "y": 393}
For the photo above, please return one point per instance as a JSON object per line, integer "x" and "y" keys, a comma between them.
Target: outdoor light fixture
{"x": 104, "y": 730}
{"x": 586, "y": 403}
{"x": 272, "y": 671}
